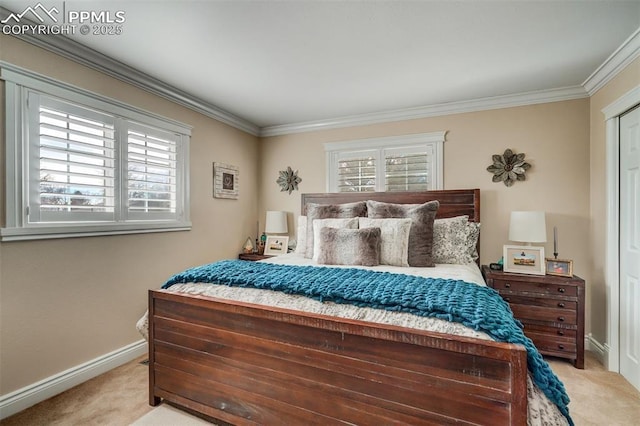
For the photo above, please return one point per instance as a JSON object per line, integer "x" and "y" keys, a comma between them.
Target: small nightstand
{"x": 550, "y": 307}
{"x": 252, "y": 256}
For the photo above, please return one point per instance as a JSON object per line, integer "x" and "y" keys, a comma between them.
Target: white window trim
{"x": 19, "y": 80}
{"x": 433, "y": 141}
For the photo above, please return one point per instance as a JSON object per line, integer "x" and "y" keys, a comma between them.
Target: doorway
{"x": 623, "y": 236}
{"x": 630, "y": 246}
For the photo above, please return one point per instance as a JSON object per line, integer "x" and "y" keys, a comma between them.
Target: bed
{"x": 242, "y": 359}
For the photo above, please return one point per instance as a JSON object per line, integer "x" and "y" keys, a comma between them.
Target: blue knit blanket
{"x": 480, "y": 308}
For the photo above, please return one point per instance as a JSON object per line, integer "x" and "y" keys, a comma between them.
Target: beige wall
{"x": 621, "y": 84}
{"x": 554, "y": 137}
{"x": 65, "y": 302}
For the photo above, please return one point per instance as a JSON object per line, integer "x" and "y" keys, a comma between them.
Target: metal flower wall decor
{"x": 288, "y": 180}
{"x": 508, "y": 167}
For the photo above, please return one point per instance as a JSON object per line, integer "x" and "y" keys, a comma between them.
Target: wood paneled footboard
{"x": 249, "y": 364}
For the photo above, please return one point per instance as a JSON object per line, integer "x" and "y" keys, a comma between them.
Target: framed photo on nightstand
{"x": 275, "y": 245}
{"x": 559, "y": 267}
{"x": 524, "y": 260}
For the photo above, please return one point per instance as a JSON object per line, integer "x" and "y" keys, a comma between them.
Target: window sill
{"x": 89, "y": 230}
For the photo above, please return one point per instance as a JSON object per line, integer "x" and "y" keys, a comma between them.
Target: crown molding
{"x": 628, "y": 51}
{"x": 482, "y": 104}
{"x": 91, "y": 58}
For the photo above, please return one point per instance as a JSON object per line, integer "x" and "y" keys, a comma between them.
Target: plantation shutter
{"x": 151, "y": 184}
{"x": 357, "y": 171}
{"x": 74, "y": 153}
{"x": 407, "y": 169}
{"x": 80, "y": 164}
{"x": 393, "y": 163}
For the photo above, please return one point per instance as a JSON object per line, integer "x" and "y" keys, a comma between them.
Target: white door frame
{"x": 612, "y": 114}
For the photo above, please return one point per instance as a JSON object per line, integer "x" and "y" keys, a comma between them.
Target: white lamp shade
{"x": 528, "y": 227}
{"x": 276, "y": 223}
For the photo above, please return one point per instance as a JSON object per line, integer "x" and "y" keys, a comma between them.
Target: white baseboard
{"x": 44, "y": 389}
{"x": 598, "y": 349}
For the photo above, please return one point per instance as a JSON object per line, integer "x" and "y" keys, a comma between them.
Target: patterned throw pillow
{"x": 473, "y": 229}
{"x": 450, "y": 237}
{"x": 421, "y": 234}
{"x": 394, "y": 246}
{"x": 319, "y": 224}
{"x": 455, "y": 240}
{"x": 349, "y": 246}
{"x": 324, "y": 211}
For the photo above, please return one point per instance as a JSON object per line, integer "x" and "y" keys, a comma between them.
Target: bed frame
{"x": 247, "y": 364}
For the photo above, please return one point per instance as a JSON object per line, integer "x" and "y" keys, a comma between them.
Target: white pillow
{"x": 394, "y": 246}
{"x": 301, "y": 235}
{"x": 318, "y": 224}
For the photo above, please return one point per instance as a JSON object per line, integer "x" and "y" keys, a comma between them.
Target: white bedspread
{"x": 541, "y": 410}
{"x": 469, "y": 272}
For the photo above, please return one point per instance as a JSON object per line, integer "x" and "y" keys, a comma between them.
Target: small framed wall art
{"x": 524, "y": 259}
{"x": 275, "y": 245}
{"x": 559, "y": 267}
{"x": 225, "y": 181}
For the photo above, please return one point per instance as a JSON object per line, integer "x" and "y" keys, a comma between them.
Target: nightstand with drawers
{"x": 253, "y": 257}
{"x": 551, "y": 308}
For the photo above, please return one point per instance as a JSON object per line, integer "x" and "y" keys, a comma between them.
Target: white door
{"x": 630, "y": 246}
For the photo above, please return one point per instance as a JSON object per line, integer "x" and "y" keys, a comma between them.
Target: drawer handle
{"x": 560, "y": 318}
{"x": 560, "y": 333}
{"x": 507, "y": 299}
{"x": 561, "y": 305}
{"x": 507, "y": 285}
{"x": 561, "y": 347}
{"x": 561, "y": 289}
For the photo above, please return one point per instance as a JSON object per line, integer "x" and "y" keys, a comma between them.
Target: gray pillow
{"x": 421, "y": 235}
{"x": 325, "y": 211}
{"x": 318, "y": 224}
{"x": 342, "y": 246}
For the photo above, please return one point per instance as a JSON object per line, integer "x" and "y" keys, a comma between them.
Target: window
{"x": 80, "y": 164}
{"x": 72, "y": 150}
{"x": 403, "y": 163}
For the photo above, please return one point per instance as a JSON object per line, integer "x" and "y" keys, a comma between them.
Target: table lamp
{"x": 526, "y": 227}
{"x": 276, "y": 223}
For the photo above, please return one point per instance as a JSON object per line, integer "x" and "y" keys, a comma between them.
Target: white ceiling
{"x": 286, "y": 62}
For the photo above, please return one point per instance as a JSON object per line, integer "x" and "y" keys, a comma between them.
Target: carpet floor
{"x": 167, "y": 415}
{"x": 120, "y": 397}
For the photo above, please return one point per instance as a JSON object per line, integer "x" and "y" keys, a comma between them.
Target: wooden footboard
{"x": 248, "y": 364}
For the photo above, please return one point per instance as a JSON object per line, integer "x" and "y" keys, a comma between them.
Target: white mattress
{"x": 469, "y": 272}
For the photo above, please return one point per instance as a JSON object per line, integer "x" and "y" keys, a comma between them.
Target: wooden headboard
{"x": 453, "y": 202}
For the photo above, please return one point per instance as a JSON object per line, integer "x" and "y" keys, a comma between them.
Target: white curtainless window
{"x": 152, "y": 178}
{"x": 81, "y": 164}
{"x": 71, "y": 161}
{"x": 402, "y": 163}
